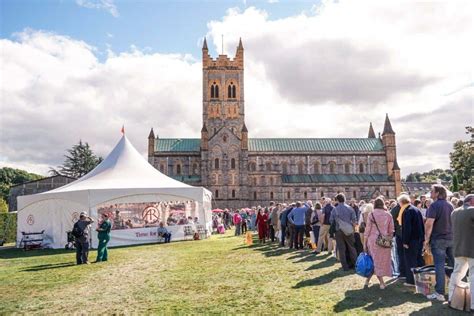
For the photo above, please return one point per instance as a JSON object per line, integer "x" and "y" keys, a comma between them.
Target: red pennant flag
{"x": 123, "y": 130}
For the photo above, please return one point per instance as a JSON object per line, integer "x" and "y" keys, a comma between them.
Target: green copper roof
{"x": 334, "y": 178}
{"x": 315, "y": 144}
{"x": 174, "y": 144}
{"x": 281, "y": 144}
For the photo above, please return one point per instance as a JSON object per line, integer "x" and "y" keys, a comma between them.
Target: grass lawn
{"x": 217, "y": 275}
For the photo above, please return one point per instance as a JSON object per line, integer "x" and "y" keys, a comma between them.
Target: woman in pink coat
{"x": 381, "y": 255}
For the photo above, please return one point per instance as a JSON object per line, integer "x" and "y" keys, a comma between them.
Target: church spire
{"x": 152, "y": 134}
{"x": 240, "y": 47}
{"x": 204, "y": 45}
{"x": 371, "y": 131}
{"x": 395, "y": 165}
{"x": 387, "y": 127}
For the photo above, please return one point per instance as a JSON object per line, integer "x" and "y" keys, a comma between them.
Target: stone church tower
{"x": 224, "y": 136}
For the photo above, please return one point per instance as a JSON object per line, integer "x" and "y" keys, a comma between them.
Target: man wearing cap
{"x": 82, "y": 239}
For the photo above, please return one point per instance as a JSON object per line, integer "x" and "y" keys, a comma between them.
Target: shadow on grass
{"x": 49, "y": 266}
{"x": 439, "y": 310}
{"x": 322, "y": 279}
{"x": 375, "y": 299}
{"x": 20, "y": 253}
{"x": 328, "y": 262}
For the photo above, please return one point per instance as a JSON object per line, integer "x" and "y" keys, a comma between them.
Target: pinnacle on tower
{"x": 244, "y": 129}
{"x": 204, "y": 128}
{"x": 371, "y": 131}
{"x": 152, "y": 134}
{"x": 395, "y": 165}
{"x": 204, "y": 45}
{"x": 240, "y": 44}
{"x": 387, "y": 128}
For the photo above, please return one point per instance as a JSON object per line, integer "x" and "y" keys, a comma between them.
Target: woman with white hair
{"x": 365, "y": 211}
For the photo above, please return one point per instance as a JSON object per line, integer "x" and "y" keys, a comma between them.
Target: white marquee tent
{"x": 123, "y": 178}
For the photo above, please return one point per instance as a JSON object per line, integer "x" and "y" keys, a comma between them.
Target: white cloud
{"x": 327, "y": 73}
{"x": 58, "y": 92}
{"x": 107, "y": 5}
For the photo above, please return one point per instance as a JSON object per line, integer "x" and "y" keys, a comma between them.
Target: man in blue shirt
{"x": 439, "y": 235}
{"x": 297, "y": 217}
{"x": 345, "y": 213}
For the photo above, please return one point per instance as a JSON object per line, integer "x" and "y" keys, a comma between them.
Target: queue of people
{"x": 398, "y": 234}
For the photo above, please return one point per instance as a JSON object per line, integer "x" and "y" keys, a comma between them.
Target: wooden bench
{"x": 33, "y": 240}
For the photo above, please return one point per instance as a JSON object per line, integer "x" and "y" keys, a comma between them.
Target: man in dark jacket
{"x": 284, "y": 224}
{"x": 413, "y": 236}
{"x": 81, "y": 233}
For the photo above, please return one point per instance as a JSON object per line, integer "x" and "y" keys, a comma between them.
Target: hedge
{"x": 8, "y": 227}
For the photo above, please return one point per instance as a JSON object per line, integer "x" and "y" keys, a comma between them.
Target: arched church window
{"x": 332, "y": 167}
{"x": 217, "y": 194}
{"x": 232, "y": 163}
{"x": 231, "y": 91}
{"x": 252, "y": 166}
{"x": 347, "y": 168}
{"x": 216, "y": 163}
{"x": 317, "y": 168}
{"x": 233, "y": 193}
{"x": 162, "y": 168}
{"x": 178, "y": 169}
{"x": 195, "y": 169}
{"x": 305, "y": 194}
{"x": 376, "y": 167}
{"x": 255, "y": 195}
{"x": 284, "y": 168}
{"x": 301, "y": 167}
{"x": 271, "y": 195}
{"x": 361, "y": 168}
{"x": 268, "y": 166}
{"x": 288, "y": 195}
{"x": 214, "y": 91}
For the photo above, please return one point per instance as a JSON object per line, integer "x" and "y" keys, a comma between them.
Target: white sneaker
{"x": 436, "y": 296}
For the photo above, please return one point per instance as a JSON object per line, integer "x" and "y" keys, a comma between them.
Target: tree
{"x": 455, "y": 186}
{"x": 3, "y": 206}
{"x": 431, "y": 176}
{"x": 10, "y": 177}
{"x": 79, "y": 161}
{"x": 462, "y": 161}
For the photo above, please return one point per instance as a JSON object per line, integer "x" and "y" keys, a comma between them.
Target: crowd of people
{"x": 398, "y": 234}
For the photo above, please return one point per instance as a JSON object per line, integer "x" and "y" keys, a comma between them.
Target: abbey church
{"x": 243, "y": 172}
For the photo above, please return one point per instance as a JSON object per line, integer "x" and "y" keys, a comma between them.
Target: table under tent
{"x": 135, "y": 195}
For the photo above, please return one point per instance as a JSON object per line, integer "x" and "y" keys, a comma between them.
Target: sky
{"x": 72, "y": 70}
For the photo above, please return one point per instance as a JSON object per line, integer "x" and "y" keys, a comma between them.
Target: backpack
{"x": 77, "y": 232}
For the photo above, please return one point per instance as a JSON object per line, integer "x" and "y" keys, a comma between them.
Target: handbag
{"x": 382, "y": 241}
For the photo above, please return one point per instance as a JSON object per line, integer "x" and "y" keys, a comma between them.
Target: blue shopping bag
{"x": 364, "y": 265}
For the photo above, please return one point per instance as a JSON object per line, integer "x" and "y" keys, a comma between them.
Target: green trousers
{"x": 102, "y": 248}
